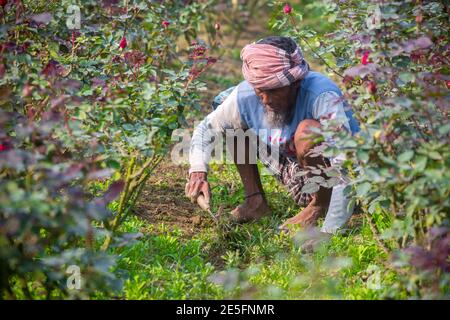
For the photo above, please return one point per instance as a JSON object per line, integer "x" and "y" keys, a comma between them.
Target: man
{"x": 280, "y": 101}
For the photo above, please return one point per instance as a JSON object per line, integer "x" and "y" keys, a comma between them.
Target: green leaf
{"x": 317, "y": 179}
{"x": 351, "y": 204}
{"x": 434, "y": 155}
{"x": 113, "y": 164}
{"x": 363, "y": 189}
{"x": 330, "y": 183}
{"x": 406, "y": 77}
{"x": 310, "y": 188}
{"x": 445, "y": 129}
{"x": 406, "y": 156}
{"x": 363, "y": 155}
{"x": 421, "y": 163}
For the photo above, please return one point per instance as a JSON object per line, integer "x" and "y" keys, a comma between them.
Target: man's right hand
{"x": 197, "y": 185}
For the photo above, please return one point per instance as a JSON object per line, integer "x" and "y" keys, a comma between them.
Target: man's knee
{"x": 305, "y": 138}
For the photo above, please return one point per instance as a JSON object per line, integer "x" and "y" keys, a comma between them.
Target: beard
{"x": 278, "y": 119}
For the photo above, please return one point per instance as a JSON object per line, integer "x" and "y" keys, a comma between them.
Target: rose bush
{"x": 89, "y": 98}
{"x": 392, "y": 60}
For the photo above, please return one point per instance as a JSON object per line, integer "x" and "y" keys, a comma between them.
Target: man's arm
{"x": 226, "y": 116}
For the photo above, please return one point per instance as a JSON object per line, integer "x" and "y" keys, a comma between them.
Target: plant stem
{"x": 123, "y": 197}
{"x": 375, "y": 233}
{"x": 311, "y": 48}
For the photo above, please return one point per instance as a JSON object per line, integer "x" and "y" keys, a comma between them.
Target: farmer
{"x": 280, "y": 101}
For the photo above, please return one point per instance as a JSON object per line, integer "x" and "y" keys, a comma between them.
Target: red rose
{"x": 123, "y": 43}
{"x": 372, "y": 87}
{"x": 287, "y": 9}
{"x": 165, "y": 23}
{"x": 448, "y": 84}
{"x": 5, "y": 146}
{"x": 365, "y": 58}
{"x": 3, "y": 3}
{"x": 419, "y": 18}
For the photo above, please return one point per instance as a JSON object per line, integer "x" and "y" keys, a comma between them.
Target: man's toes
{"x": 294, "y": 220}
{"x": 235, "y": 214}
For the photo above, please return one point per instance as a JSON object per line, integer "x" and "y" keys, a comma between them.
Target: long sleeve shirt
{"x": 327, "y": 106}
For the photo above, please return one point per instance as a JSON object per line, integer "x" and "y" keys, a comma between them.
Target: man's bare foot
{"x": 252, "y": 209}
{"x": 307, "y": 217}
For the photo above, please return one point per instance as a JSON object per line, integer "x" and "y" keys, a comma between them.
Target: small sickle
{"x": 201, "y": 201}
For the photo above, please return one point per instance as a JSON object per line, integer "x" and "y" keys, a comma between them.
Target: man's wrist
{"x": 199, "y": 174}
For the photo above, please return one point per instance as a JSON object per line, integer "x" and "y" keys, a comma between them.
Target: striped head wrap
{"x": 268, "y": 67}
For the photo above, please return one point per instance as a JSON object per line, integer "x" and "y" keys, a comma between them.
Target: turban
{"x": 268, "y": 67}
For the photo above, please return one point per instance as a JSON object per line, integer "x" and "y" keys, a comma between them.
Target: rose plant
{"x": 391, "y": 60}
{"x": 87, "y": 113}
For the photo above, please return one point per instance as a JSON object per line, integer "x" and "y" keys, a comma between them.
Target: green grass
{"x": 251, "y": 260}
{"x": 161, "y": 265}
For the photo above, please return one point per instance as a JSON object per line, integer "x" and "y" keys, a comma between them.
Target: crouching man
{"x": 280, "y": 101}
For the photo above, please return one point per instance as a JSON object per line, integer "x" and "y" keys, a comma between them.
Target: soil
{"x": 163, "y": 200}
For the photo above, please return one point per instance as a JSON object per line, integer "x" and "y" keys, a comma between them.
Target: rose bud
{"x": 165, "y": 23}
{"x": 365, "y": 58}
{"x": 27, "y": 89}
{"x": 5, "y": 146}
{"x": 217, "y": 26}
{"x": 419, "y": 18}
{"x": 358, "y": 52}
{"x": 372, "y": 87}
{"x": 287, "y": 9}
{"x": 123, "y": 43}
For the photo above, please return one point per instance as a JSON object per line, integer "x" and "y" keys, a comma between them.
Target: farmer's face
{"x": 278, "y": 103}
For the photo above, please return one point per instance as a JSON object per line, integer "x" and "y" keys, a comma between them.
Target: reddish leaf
{"x": 361, "y": 70}
{"x": 114, "y": 190}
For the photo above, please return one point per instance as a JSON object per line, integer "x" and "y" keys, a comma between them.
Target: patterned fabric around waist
{"x": 287, "y": 172}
